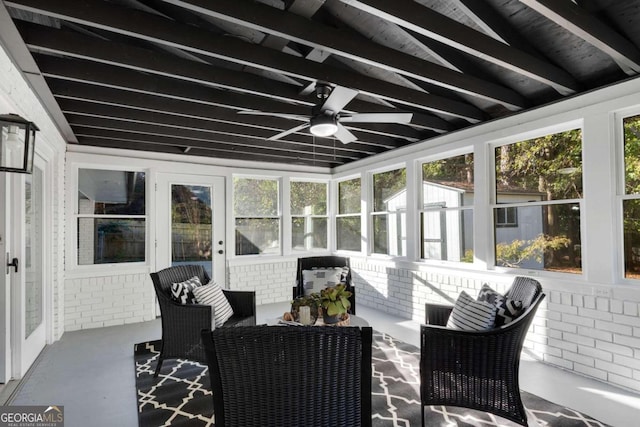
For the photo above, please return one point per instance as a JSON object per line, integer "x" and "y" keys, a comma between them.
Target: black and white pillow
{"x": 507, "y": 309}
{"x": 182, "y": 292}
{"x": 471, "y": 315}
{"x": 211, "y": 294}
{"x": 316, "y": 279}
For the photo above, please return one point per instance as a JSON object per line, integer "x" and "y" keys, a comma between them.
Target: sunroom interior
{"x": 464, "y": 143}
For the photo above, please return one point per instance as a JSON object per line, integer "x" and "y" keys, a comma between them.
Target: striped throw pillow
{"x": 211, "y": 294}
{"x": 471, "y": 315}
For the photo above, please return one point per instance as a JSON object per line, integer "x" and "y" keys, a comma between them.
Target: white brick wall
{"x": 594, "y": 336}
{"x": 272, "y": 282}
{"x": 107, "y": 300}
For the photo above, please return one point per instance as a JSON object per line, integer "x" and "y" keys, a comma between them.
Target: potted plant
{"x": 312, "y": 301}
{"x": 335, "y": 303}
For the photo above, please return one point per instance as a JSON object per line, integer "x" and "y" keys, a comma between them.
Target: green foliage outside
{"x": 631, "y": 208}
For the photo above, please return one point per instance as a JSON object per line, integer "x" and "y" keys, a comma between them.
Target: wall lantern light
{"x": 17, "y": 140}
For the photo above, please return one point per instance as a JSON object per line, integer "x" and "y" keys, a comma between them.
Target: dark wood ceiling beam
{"x": 589, "y": 28}
{"x": 110, "y": 96}
{"x": 192, "y": 138}
{"x": 137, "y": 145}
{"x": 74, "y": 45}
{"x": 422, "y": 20}
{"x": 166, "y": 32}
{"x": 282, "y": 24}
{"x": 113, "y": 112}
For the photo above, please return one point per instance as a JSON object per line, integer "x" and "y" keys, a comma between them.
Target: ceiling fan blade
{"x": 287, "y": 132}
{"x": 344, "y": 135}
{"x": 266, "y": 113}
{"x": 338, "y": 99}
{"x": 378, "y": 118}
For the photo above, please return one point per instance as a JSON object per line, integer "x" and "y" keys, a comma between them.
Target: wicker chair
{"x": 324, "y": 262}
{"x": 477, "y": 370}
{"x": 181, "y": 324}
{"x": 290, "y": 376}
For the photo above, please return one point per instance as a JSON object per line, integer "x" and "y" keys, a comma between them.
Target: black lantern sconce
{"x": 17, "y": 140}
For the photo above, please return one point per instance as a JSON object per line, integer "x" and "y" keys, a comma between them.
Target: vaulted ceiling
{"x": 239, "y": 79}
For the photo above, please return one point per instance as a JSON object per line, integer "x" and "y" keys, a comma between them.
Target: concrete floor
{"x": 91, "y": 373}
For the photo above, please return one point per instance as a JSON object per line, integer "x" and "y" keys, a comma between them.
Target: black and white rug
{"x": 181, "y": 395}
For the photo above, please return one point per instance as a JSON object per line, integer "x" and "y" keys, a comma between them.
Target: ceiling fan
{"x": 326, "y": 118}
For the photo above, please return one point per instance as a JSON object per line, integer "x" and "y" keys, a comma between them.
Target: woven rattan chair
{"x": 182, "y": 323}
{"x": 290, "y": 376}
{"x": 310, "y": 263}
{"x": 477, "y": 370}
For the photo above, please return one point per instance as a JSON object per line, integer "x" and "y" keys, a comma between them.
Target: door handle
{"x": 13, "y": 263}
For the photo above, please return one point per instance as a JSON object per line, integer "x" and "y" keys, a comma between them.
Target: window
{"x": 446, "y": 217}
{"x": 308, "y": 216}
{"x": 348, "y": 220}
{"x": 257, "y": 216}
{"x": 506, "y": 217}
{"x": 541, "y": 182}
{"x": 631, "y": 197}
{"x": 389, "y": 212}
{"x": 111, "y": 216}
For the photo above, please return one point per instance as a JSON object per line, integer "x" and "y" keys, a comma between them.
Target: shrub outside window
{"x": 446, "y": 217}
{"x": 257, "y": 216}
{"x": 308, "y": 216}
{"x": 111, "y": 217}
{"x": 631, "y": 197}
{"x": 540, "y": 182}
{"x": 389, "y": 215}
{"x": 348, "y": 218}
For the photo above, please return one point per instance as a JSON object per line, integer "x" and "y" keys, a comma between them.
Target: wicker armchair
{"x": 477, "y": 370}
{"x": 181, "y": 324}
{"x": 324, "y": 262}
{"x": 283, "y": 376}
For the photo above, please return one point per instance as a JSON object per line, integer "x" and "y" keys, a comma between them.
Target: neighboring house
{"x": 447, "y": 230}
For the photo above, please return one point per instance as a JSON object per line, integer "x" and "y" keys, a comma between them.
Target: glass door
{"x": 22, "y": 305}
{"x": 191, "y": 223}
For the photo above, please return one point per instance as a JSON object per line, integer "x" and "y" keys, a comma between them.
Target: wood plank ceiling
{"x": 179, "y": 76}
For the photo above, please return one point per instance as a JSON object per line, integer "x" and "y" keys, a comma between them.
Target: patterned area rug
{"x": 181, "y": 396}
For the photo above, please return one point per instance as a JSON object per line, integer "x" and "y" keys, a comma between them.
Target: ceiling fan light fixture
{"x": 323, "y": 125}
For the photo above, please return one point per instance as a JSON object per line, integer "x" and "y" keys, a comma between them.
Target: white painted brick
{"x": 577, "y": 300}
{"x": 566, "y": 299}
{"x": 614, "y": 327}
{"x": 561, "y": 326}
{"x": 628, "y": 341}
{"x": 595, "y": 314}
{"x": 591, "y": 371}
{"x": 595, "y": 353}
{"x": 595, "y": 333}
{"x": 558, "y": 361}
{"x": 578, "y": 320}
{"x": 614, "y": 348}
{"x": 624, "y": 381}
{"x": 630, "y": 308}
{"x": 589, "y": 301}
{"x": 616, "y": 306}
{"x": 579, "y": 358}
{"x": 562, "y": 308}
{"x": 578, "y": 339}
{"x": 626, "y": 320}
{"x": 613, "y": 368}
{"x": 565, "y": 345}
{"x": 631, "y": 362}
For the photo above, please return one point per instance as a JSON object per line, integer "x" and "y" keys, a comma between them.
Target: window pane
{"x": 110, "y": 192}
{"x": 447, "y": 235}
{"x": 389, "y": 234}
{"x": 191, "y": 233}
{"x": 349, "y": 194}
{"x": 107, "y": 240}
{"x": 632, "y": 155}
{"x": 448, "y": 181}
{"x": 546, "y": 238}
{"x": 255, "y": 197}
{"x": 389, "y": 190}
{"x": 308, "y": 198}
{"x": 348, "y": 233}
{"x": 545, "y": 168}
{"x": 631, "y": 215}
{"x": 257, "y": 236}
{"x": 308, "y": 233}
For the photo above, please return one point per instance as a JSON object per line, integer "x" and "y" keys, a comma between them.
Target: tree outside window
{"x": 631, "y": 197}
{"x": 541, "y": 179}
{"x": 257, "y": 216}
{"x": 348, "y": 219}
{"x": 389, "y": 212}
{"x": 308, "y": 216}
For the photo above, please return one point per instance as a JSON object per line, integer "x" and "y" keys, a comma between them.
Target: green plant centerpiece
{"x": 312, "y": 301}
{"x": 335, "y": 303}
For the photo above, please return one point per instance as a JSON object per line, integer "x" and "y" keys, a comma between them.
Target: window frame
{"x": 372, "y": 213}
{"x": 358, "y": 214}
{"x": 326, "y": 215}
